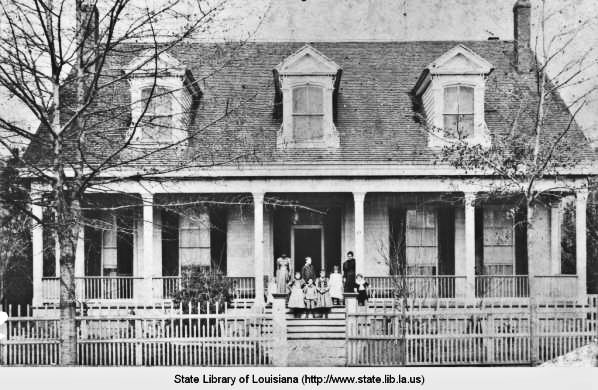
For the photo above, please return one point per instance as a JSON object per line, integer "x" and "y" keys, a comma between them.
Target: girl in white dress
{"x": 336, "y": 286}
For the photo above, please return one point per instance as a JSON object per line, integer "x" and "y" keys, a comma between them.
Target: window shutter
{"x": 397, "y": 256}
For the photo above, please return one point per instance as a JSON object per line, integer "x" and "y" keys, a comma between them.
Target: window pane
{"x": 465, "y": 125}
{"x": 300, "y": 100}
{"x": 189, "y": 238}
{"x": 315, "y": 100}
{"x": 465, "y": 100}
{"x": 450, "y": 123}
{"x": 451, "y": 102}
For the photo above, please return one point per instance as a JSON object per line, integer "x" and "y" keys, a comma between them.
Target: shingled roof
{"x": 374, "y": 106}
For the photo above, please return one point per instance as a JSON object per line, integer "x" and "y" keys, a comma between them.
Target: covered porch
{"x": 434, "y": 243}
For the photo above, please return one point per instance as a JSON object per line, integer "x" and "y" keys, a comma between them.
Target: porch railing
{"x": 555, "y": 286}
{"x": 165, "y": 287}
{"x": 105, "y": 287}
{"x": 501, "y": 286}
{"x": 51, "y": 289}
{"x": 416, "y": 286}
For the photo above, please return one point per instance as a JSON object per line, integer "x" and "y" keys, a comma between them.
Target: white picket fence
{"x": 424, "y": 334}
{"x": 159, "y": 337}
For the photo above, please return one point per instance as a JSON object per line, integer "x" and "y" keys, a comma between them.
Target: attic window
{"x": 458, "y": 111}
{"x": 308, "y": 113}
{"x": 156, "y": 124}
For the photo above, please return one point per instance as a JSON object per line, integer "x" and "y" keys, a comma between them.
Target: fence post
{"x": 489, "y": 338}
{"x": 350, "y": 326}
{"x": 3, "y": 344}
{"x": 279, "y": 330}
{"x": 533, "y": 331}
{"x": 138, "y": 343}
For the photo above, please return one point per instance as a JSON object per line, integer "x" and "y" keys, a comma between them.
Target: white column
{"x": 470, "y": 244}
{"x": 580, "y": 242}
{"x": 555, "y": 238}
{"x": 37, "y": 246}
{"x": 258, "y": 245}
{"x": 358, "y": 200}
{"x": 80, "y": 254}
{"x": 148, "y": 249}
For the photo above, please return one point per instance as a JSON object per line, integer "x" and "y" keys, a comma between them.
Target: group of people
{"x": 310, "y": 292}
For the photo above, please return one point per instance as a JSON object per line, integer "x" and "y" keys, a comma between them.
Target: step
{"x": 315, "y": 322}
{"x": 332, "y": 317}
{"x": 316, "y": 329}
{"x": 316, "y": 336}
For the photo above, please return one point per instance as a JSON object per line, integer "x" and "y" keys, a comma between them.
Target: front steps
{"x": 316, "y": 341}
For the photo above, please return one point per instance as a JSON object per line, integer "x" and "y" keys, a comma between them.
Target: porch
{"x": 416, "y": 242}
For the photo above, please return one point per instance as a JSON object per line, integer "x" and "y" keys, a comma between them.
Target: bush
{"x": 208, "y": 290}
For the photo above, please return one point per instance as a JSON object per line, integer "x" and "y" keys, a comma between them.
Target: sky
{"x": 406, "y": 20}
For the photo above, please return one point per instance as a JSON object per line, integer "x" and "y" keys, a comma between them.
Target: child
{"x": 296, "y": 301}
{"x": 361, "y": 288}
{"x": 311, "y": 297}
{"x": 271, "y": 289}
{"x": 336, "y": 286}
{"x": 324, "y": 301}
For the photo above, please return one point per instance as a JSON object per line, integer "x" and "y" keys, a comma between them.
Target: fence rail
{"x": 169, "y": 338}
{"x": 469, "y": 335}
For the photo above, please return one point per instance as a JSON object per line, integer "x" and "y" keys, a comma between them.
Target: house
{"x": 316, "y": 150}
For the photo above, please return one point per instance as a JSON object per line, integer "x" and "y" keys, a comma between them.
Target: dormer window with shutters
{"x": 452, "y": 90}
{"x": 307, "y": 81}
{"x": 163, "y": 93}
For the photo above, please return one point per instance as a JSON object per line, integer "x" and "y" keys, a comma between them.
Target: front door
{"x": 307, "y": 241}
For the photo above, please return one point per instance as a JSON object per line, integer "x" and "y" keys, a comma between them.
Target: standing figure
{"x": 336, "y": 286}
{"x": 296, "y": 299}
{"x": 283, "y": 273}
{"x": 361, "y": 288}
{"x": 307, "y": 272}
{"x": 311, "y": 297}
{"x": 349, "y": 272}
{"x": 271, "y": 289}
{"x": 324, "y": 300}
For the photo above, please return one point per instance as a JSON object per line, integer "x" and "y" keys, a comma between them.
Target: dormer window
{"x": 307, "y": 81}
{"x": 308, "y": 113}
{"x": 452, "y": 91}
{"x": 163, "y": 93}
{"x": 458, "y": 111}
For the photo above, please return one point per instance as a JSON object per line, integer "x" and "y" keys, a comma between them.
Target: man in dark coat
{"x": 307, "y": 272}
{"x": 349, "y": 273}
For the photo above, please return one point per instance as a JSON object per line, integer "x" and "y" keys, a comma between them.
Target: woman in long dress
{"x": 283, "y": 274}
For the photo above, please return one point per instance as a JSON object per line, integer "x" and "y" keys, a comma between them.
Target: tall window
{"x": 308, "y": 113}
{"x": 422, "y": 242}
{"x": 458, "y": 111}
{"x": 499, "y": 242}
{"x": 157, "y": 121}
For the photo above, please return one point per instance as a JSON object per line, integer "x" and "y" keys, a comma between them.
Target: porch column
{"x": 80, "y": 254}
{"x": 580, "y": 242}
{"x": 37, "y": 246}
{"x": 470, "y": 244}
{"x": 148, "y": 249}
{"x": 358, "y": 199}
{"x": 258, "y": 245}
{"x": 555, "y": 238}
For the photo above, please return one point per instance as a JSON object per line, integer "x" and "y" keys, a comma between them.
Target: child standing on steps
{"x": 361, "y": 288}
{"x": 324, "y": 302}
{"x": 296, "y": 299}
{"x": 336, "y": 286}
{"x": 311, "y": 297}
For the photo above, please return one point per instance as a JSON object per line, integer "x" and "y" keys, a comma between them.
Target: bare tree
{"x": 61, "y": 63}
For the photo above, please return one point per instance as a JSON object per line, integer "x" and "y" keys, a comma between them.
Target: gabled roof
{"x": 460, "y": 60}
{"x": 235, "y": 121}
{"x": 307, "y": 60}
{"x": 147, "y": 62}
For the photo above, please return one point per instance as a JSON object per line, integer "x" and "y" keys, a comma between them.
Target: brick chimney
{"x": 522, "y": 23}
{"x": 89, "y": 23}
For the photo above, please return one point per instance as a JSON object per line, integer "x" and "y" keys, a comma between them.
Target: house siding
{"x": 538, "y": 239}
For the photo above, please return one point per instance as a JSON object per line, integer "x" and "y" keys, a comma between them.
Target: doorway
{"x": 307, "y": 240}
